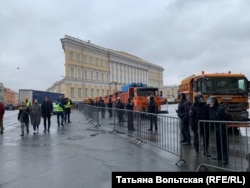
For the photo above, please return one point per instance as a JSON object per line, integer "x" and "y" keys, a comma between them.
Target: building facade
{"x": 93, "y": 71}
{"x": 8, "y": 96}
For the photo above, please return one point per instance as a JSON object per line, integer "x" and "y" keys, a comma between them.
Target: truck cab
{"x": 231, "y": 90}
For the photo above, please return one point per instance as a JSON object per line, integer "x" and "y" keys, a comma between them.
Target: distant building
{"x": 10, "y": 97}
{"x": 170, "y": 91}
{"x": 92, "y": 71}
{"x": 7, "y": 95}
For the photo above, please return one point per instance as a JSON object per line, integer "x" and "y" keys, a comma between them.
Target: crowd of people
{"x": 190, "y": 115}
{"x": 129, "y": 108}
{"x": 32, "y": 113}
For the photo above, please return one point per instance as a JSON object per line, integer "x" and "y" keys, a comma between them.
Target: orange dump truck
{"x": 230, "y": 89}
{"x": 139, "y": 93}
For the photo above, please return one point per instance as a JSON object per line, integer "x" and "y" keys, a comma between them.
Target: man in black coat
{"x": 153, "y": 110}
{"x": 218, "y": 113}
{"x": 47, "y": 111}
{"x": 130, "y": 108}
{"x": 199, "y": 111}
{"x": 183, "y": 114}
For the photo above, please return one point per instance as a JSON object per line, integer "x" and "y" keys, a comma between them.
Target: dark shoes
{"x": 186, "y": 142}
{"x": 225, "y": 162}
{"x": 133, "y": 129}
{"x": 197, "y": 154}
{"x": 1, "y": 132}
{"x": 206, "y": 154}
{"x": 22, "y": 134}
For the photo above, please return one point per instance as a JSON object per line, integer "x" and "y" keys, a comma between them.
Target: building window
{"x": 92, "y": 92}
{"x": 79, "y": 92}
{"x": 79, "y": 74}
{"x": 103, "y": 93}
{"x": 79, "y": 57}
{"x": 96, "y": 61}
{"x": 92, "y": 75}
{"x": 72, "y": 75}
{"x": 85, "y": 59}
{"x": 71, "y": 56}
{"x": 108, "y": 78}
{"x": 85, "y": 75}
{"x": 97, "y": 92}
{"x": 91, "y": 60}
{"x": 97, "y": 76}
{"x": 72, "y": 92}
{"x": 101, "y": 62}
{"x": 86, "y": 92}
{"x": 103, "y": 77}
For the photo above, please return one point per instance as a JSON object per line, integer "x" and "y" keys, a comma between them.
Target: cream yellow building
{"x": 93, "y": 71}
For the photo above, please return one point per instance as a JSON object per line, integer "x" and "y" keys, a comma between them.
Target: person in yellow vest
{"x": 28, "y": 105}
{"x": 59, "y": 107}
{"x": 67, "y": 108}
{"x": 27, "y": 102}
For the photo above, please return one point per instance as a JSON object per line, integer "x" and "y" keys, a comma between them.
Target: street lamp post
{"x": 115, "y": 83}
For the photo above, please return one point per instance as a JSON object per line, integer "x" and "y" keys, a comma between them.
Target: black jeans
{"x": 46, "y": 119}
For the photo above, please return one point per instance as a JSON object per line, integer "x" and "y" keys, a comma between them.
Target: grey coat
{"x": 35, "y": 114}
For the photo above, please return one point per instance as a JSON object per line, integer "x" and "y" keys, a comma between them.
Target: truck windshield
{"x": 223, "y": 85}
{"x": 147, "y": 91}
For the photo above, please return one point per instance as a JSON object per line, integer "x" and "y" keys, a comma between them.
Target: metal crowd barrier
{"x": 228, "y": 145}
{"x": 167, "y": 137}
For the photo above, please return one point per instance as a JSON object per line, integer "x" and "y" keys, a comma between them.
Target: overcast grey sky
{"x": 183, "y": 36}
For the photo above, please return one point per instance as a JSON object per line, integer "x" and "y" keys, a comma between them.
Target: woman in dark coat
{"x": 35, "y": 116}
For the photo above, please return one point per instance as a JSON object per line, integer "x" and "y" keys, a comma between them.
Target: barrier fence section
{"x": 166, "y": 137}
{"x": 227, "y": 146}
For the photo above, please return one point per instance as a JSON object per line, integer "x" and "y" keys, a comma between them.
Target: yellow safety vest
{"x": 28, "y": 103}
{"x": 67, "y": 105}
{"x": 58, "y": 108}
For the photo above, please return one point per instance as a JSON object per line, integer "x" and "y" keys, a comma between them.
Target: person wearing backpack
{"x": 183, "y": 113}
{"x": 23, "y": 117}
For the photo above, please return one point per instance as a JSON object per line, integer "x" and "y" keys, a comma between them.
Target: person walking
{"x": 2, "y": 111}
{"x": 218, "y": 113}
{"x": 59, "y": 112}
{"x": 27, "y": 102}
{"x": 199, "y": 111}
{"x": 35, "y": 116}
{"x": 130, "y": 109}
{"x": 153, "y": 110}
{"x": 110, "y": 106}
{"x": 120, "y": 107}
{"x": 183, "y": 113}
{"x": 47, "y": 112}
{"x": 67, "y": 108}
{"x": 23, "y": 117}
